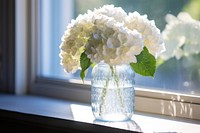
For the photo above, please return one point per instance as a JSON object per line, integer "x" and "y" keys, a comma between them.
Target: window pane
{"x": 54, "y": 16}
{"x": 176, "y": 75}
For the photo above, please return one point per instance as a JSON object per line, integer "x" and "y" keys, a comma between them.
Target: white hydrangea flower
{"x": 113, "y": 43}
{"x": 68, "y": 62}
{"x": 181, "y": 36}
{"x": 108, "y": 34}
{"x": 74, "y": 40}
{"x": 150, "y": 33}
{"x": 113, "y": 12}
{"x": 123, "y": 47}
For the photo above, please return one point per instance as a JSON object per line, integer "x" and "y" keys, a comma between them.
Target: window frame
{"x": 149, "y": 101}
{"x": 7, "y": 46}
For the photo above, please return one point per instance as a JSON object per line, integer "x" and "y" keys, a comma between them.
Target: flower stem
{"x": 114, "y": 75}
{"x": 117, "y": 83}
{"x": 104, "y": 95}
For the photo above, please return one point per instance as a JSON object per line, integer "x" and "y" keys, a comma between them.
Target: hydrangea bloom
{"x": 112, "y": 42}
{"x": 108, "y": 34}
{"x": 74, "y": 40}
{"x": 116, "y": 13}
{"x": 150, "y": 33}
{"x": 181, "y": 36}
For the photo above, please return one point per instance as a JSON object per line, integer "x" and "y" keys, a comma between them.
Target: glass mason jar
{"x": 112, "y": 94}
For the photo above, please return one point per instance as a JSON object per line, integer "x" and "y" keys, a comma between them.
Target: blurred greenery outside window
{"x": 175, "y": 75}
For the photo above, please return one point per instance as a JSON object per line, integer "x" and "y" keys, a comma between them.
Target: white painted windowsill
{"x": 82, "y": 113}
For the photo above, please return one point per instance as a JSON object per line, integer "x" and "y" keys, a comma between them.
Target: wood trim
{"x": 166, "y": 95}
{"x": 167, "y": 107}
{"x": 7, "y": 46}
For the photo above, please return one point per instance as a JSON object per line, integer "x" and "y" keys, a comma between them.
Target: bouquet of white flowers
{"x": 111, "y": 35}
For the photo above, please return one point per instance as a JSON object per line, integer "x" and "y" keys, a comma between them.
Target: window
{"x": 170, "y": 93}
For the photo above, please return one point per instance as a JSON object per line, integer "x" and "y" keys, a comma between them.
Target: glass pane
{"x": 177, "y": 75}
{"x": 54, "y": 16}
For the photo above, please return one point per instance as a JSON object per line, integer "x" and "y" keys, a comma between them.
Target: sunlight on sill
{"x": 139, "y": 122}
{"x": 84, "y": 114}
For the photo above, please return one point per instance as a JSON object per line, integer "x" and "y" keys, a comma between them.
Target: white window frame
{"x": 146, "y": 100}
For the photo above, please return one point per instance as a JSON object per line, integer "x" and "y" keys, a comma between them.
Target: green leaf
{"x": 85, "y": 64}
{"x": 146, "y": 63}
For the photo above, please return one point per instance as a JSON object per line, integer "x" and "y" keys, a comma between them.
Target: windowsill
{"x": 70, "y": 112}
